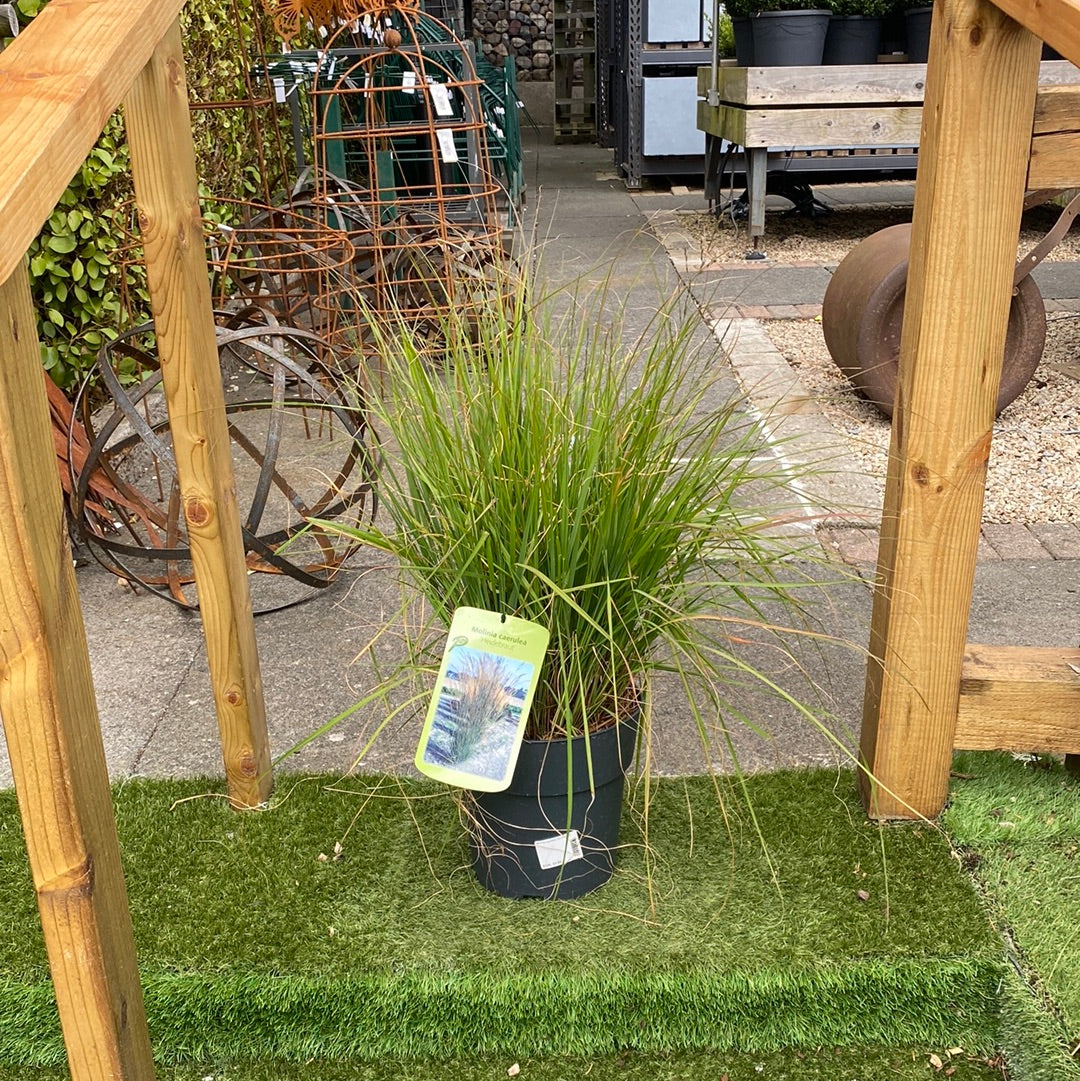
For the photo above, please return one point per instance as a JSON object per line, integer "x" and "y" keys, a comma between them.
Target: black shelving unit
{"x": 647, "y": 88}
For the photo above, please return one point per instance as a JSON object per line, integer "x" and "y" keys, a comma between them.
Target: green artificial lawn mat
{"x": 821, "y": 1064}
{"x": 1018, "y": 823}
{"x": 257, "y": 940}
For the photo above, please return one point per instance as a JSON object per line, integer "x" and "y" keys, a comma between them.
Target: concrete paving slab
{"x": 141, "y": 648}
{"x": 767, "y": 286}
{"x": 1058, "y": 281}
{"x": 1026, "y": 603}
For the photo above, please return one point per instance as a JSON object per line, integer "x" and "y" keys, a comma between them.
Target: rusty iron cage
{"x": 400, "y": 147}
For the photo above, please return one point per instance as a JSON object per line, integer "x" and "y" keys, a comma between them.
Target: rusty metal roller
{"x": 864, "y": 309}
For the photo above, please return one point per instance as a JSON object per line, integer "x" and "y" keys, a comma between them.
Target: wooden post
{"x": 51, "y": 724}
{"x": 163, "y": 166}
{"x": 977, "y": 122}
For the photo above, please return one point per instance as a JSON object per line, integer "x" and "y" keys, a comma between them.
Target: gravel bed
{"x": 1034, "y": 469}
{"x": 826, "y": 240}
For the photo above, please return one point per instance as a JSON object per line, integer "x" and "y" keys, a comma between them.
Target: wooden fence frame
{"x": 927, "y": 691}
{"x": 60, "y": 82}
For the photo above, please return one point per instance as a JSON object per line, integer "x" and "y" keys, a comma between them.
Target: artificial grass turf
{"x": 1018, "y": 821}
{"x": 821, "y": 1064}
{"x": 251, "y": 946}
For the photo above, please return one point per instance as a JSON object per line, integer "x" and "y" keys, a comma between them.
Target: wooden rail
{"x": 986, "y": 136}
{"x": 1019, "y": 698}
{"x": 59, "y": 83}
{"x": 1056, "y": 22}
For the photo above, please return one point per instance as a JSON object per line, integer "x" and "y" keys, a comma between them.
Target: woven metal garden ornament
{"x": 302, "y": 449}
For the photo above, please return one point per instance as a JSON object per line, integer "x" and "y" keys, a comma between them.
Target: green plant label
{"x": 476, "y": 720}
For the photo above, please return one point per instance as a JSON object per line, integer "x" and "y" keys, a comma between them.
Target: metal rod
{"x": 713, "y": 96}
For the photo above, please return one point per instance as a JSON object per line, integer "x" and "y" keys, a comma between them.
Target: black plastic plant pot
{"x": 790, "y": 38}
{"x": 553, "y": 834}
{"x": 852, "y": 39}
{"x": 918, "y": 34}
{"x": 744, "y": 41}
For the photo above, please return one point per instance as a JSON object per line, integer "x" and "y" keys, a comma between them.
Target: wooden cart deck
{"x": 767, "y": 110}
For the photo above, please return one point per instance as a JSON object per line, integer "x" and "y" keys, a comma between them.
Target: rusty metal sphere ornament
{"x": 302, "y": 449}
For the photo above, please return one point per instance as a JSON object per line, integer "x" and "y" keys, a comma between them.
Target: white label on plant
{"x": 440, "y": 98}
{"x": 447, "y": 150}
{"x": 561, "y": 849}
{"x": 279, "y": 90}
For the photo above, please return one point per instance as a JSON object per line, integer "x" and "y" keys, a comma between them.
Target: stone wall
{"x": 520, "y": 28}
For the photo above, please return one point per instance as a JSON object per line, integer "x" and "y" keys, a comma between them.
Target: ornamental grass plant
{"x": 538, "y": 465}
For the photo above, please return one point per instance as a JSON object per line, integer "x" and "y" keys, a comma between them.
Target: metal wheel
{"x": 864, "y": 309}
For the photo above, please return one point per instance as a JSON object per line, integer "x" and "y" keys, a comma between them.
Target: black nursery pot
{"x": 547, "y": 800}
{"x": 918, "y": 34}
{"x": 852, "y": 39}
{"x": 744, "y": 40}
{"x": 790, "y": 38}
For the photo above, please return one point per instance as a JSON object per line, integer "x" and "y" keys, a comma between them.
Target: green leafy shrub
{"x": 873, "y": 8}
{"x": 73, "y": 261}
{"x": 81, "y": 275}
{"x": 742, "y": 8}
{"x": 725, "y": 36}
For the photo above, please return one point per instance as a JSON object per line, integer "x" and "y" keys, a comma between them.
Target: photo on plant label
{"x": 479, "y": 706}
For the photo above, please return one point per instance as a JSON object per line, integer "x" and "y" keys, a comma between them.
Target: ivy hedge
{"x": 82, "y": 269}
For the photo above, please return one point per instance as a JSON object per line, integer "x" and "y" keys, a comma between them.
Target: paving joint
{"x": 163, "y": 712}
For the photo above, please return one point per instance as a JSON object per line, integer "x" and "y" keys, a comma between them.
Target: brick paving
{"x": 1014, "y": 542}
{"x": 763, "y": 264}
{"x": 1060, "y": 539}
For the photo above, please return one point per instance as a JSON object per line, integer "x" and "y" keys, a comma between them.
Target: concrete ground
{"x": 148, "y": 658}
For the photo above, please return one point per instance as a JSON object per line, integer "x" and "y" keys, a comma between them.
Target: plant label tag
{"x": 279, "y": 90}
{"x": 440, "y": 98}
{"x": 447, "y": 149}
{"x": 559, "y": 850}
{"x": 477, "y": 715}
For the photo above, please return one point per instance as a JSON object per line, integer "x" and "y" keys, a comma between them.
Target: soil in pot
{"x": 789, "y": 38}
{"x": 554, "y": 833}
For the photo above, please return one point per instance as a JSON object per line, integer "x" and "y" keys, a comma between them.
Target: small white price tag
{"x": 440, "y": 98}
{"x": 279, "y": 90}
{"x": 408, "y": 82}
{"x": 561, "y": 849}
{"x": 447, "y": 149}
